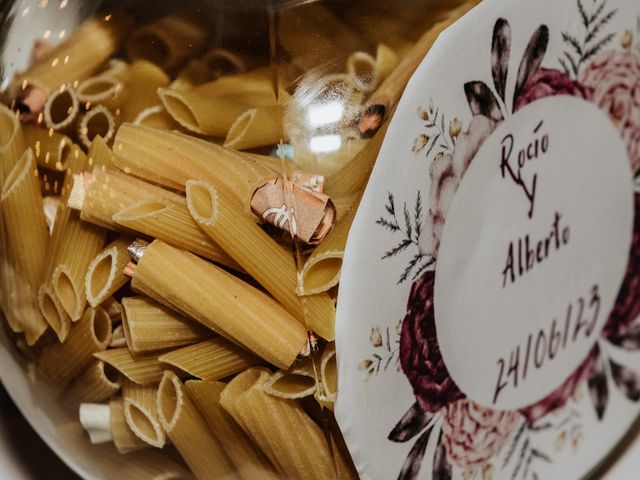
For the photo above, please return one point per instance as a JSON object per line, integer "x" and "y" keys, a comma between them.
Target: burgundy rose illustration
{"x": 420, "y": 355}
{"x": 546, "y": 82}
{"x": 473, "y": 434}
{"x": 614, "y": 77}
{"x": 558, "y": 398}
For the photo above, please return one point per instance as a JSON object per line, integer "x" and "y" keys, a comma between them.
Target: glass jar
{"x": 181, "y": 180}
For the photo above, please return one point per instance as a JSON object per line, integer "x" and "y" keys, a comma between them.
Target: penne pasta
{"x": 386, "y": 61}
{"x": 362, "y": 67}
{"x": 299, "y": 381}
{"x": 337, "y": 38}
{"x": 12, "y": 143}
{"x": 171, "y": 222}
{"x": 257, "y": 85}
{"x": 118, "y": 338}
{"x": 149, "y": 326}
{"x": 256, "y": 127}
{"x": 209, "y": 295}
{"x": 385, "y": 97}
{"x": 215, "y": 210}
{"x": 104, "y": 274}
{"x": 51, "y": 150}
{"x": 221, "y": 61}
{"x": 26, "y": 245}
{"x": 189, "y": 433}
{"x": 143, "y": 369}
{"x": 82, "y": 242}
{"x": 60, "y": 363}
{"x": 96, "y": 383}
{"x": 201, "y": 113}
{"x": 211, "y": 359}
{"x": 143, "y": 81}
{"x": 98, "y": 121}
{"x": 77, "y": 57}
{"x": 152, "y": 465}
{"x": 171, "y": 158}
{"x": 62, "y": 110}
{"x": 53, "y": 312}
{"x": 100, "y": 195}
{"x": 282, "y": 429}
{"x": 167, "y": 42}
{"x": 247, "y": 459}
{"x": 326, "y": 395}
{"x": 156, "y": 117}
{"x": 99, "y": 154}
{"x": 141, "y": 413}
{"x": 321, "y": 271}
{"x": 352, "y": 177}
{"x": 123, "y": 437}
{"x": 105, "y": 90}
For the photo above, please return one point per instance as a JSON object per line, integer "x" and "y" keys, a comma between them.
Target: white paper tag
{"x": 487, "y": 324}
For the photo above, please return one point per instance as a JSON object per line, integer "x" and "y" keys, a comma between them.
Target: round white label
{"x": 520, "y": 267}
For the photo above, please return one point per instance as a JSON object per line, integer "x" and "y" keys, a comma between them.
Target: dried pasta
{"x": 104, "y": 274}
{"x": 149, "y": 326}
{"x": 26, "y": 242}
{"x": 215, "y": 210}
{"x": 96, "y": 383}
{"x": 211, "y": 359}
{"x": 248, "y": 460}
{"x": 123, "y": 437}
{"x": 282, "y": 429}
{"x": 144, "y": 368}
{"x": 141, "y": 413}
{"x": 60, "y": 363}
{"x": 189, "y": 432}
{"x": 208, "y": 294}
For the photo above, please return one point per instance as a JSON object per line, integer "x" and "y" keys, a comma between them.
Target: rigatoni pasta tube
{"x": 149, "y": 326}
{"x": 156, "y": 117}
{"x": 141, "y": 413}
{"x": 171, "y": 222}
{"x": 282, "y": 429}
{"x": 51, "y": 150}
{"x": 124, "y": 439}
{"x": 104, "y": 274}
{"x": 217, "y": 213}
{"x": 144, "y": 368}
{"x": 99, "y": 154}
{"x": 96, "y": 383}
{"x": 211, "y": 359}
{"x": 249, "y": 462}
{"x": 78, "y": 56}
{"x": 189, "y": 433}
{"x": 60, "y": 363}
{"x": 210, "y": 295}
{"x": 256, "y": 127}
{"x": 27, "y": 238}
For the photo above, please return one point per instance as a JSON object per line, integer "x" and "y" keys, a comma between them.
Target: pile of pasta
{"x": 135, "y": 276}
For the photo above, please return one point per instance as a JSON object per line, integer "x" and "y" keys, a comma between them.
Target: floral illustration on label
{"x": 466, "y": 436}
